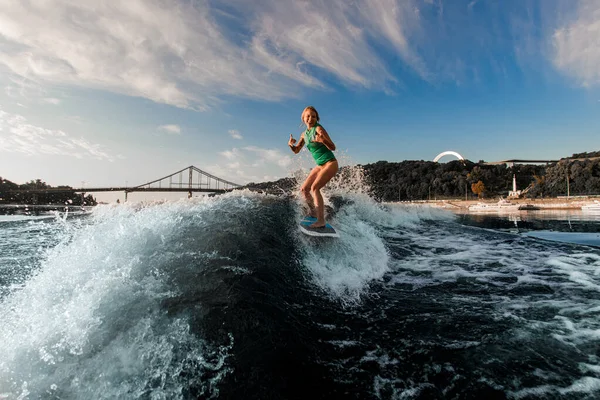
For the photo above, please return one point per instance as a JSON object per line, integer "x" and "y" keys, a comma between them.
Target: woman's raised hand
{"x": 318, "y": 138}
{"x": 292, "y": 141}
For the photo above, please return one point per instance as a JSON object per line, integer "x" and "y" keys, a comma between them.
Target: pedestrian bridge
{"x": 189, "y": 179}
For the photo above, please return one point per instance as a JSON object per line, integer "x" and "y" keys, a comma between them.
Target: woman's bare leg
{"x": 327, "y": 172}
{"x": 305, "y": 190}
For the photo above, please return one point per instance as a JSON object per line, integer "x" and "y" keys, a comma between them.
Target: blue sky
{"x": 115, "y": 93}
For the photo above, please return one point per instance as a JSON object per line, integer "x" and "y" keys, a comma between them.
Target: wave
{"x": 186, "y": 299}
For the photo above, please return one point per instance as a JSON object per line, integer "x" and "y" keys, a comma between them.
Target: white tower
{"x": 514, "y": 193}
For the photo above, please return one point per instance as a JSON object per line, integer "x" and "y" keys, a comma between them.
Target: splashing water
{"x": 198, "y": 298}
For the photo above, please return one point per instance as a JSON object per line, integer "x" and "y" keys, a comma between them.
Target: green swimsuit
{"x": 319, "y": 151}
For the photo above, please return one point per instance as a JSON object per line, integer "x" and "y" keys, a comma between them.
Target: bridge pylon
{"x": 189, "y": 179}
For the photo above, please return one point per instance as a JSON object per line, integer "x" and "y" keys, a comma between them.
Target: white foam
{"x": 395, "y": 388}
{"x": 586, "y": 384}
{"x": 345, "y": 266}
{"x": 582, "y": 269}
{"x": 577, "y": 333}
{"x": 538, "y": 391}
{"x": 344, "y": 343}
{"x": 444, "y": 256}
{"x": 561, "y": 305}
{"x": 590, "y": 367}
{"x": 90, "y": 321}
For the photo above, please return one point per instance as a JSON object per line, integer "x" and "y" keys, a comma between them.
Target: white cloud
{"x": 19, "y": 136}
{"x": 171, "y": 129}
{"x": 196, "y": 54}
{"x": 20, "y": 86}
{"x": 186, "y": 53}
{"x": 172, "y": 53}
{"x": 273, "y": 156}
{"x": 577, "y": 44}
{"x": 472, "y": 4}
{"x": 253, "y": 164}
{"x": 51, "y": 100}
{"x": 336, "y": 37}
{"x": 231, "y": 154}
{"x": 235, "y": 134}
{"x": 74, "y": 118}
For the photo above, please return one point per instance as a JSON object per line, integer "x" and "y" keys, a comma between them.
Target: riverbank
{"x": 561, "y": 203}
{"x": 36, "y": 209}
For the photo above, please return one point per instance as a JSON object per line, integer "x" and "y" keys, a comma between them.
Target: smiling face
{"x": 310, "y": 116}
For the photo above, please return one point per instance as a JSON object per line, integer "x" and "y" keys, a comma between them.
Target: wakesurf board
{"x": 325, "y": 231}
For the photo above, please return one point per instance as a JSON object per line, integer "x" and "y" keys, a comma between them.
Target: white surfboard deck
{"x": 326, "y": 231}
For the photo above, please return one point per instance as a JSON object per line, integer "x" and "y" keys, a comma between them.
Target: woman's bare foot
{"x": 318, "y": 224}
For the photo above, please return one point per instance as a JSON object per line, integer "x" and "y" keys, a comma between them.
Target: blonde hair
{"x": 312, "y": 109}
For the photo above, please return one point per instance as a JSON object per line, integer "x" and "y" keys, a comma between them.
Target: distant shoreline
{"x": 560, "y": 203}
{"x": 37, "y": 209}
{"x": 40, "y": 206}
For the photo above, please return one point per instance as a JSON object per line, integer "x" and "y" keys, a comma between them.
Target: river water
{"x": 224, "y": 298}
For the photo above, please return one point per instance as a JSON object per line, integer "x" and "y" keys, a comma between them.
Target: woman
{"x": 321, "y": 147}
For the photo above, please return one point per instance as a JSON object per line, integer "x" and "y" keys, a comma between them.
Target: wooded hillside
{"x": 6, "y": 197}
{"x": 422, "y": 180}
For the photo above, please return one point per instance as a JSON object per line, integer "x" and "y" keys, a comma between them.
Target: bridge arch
{"x": 448, "y": 153}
